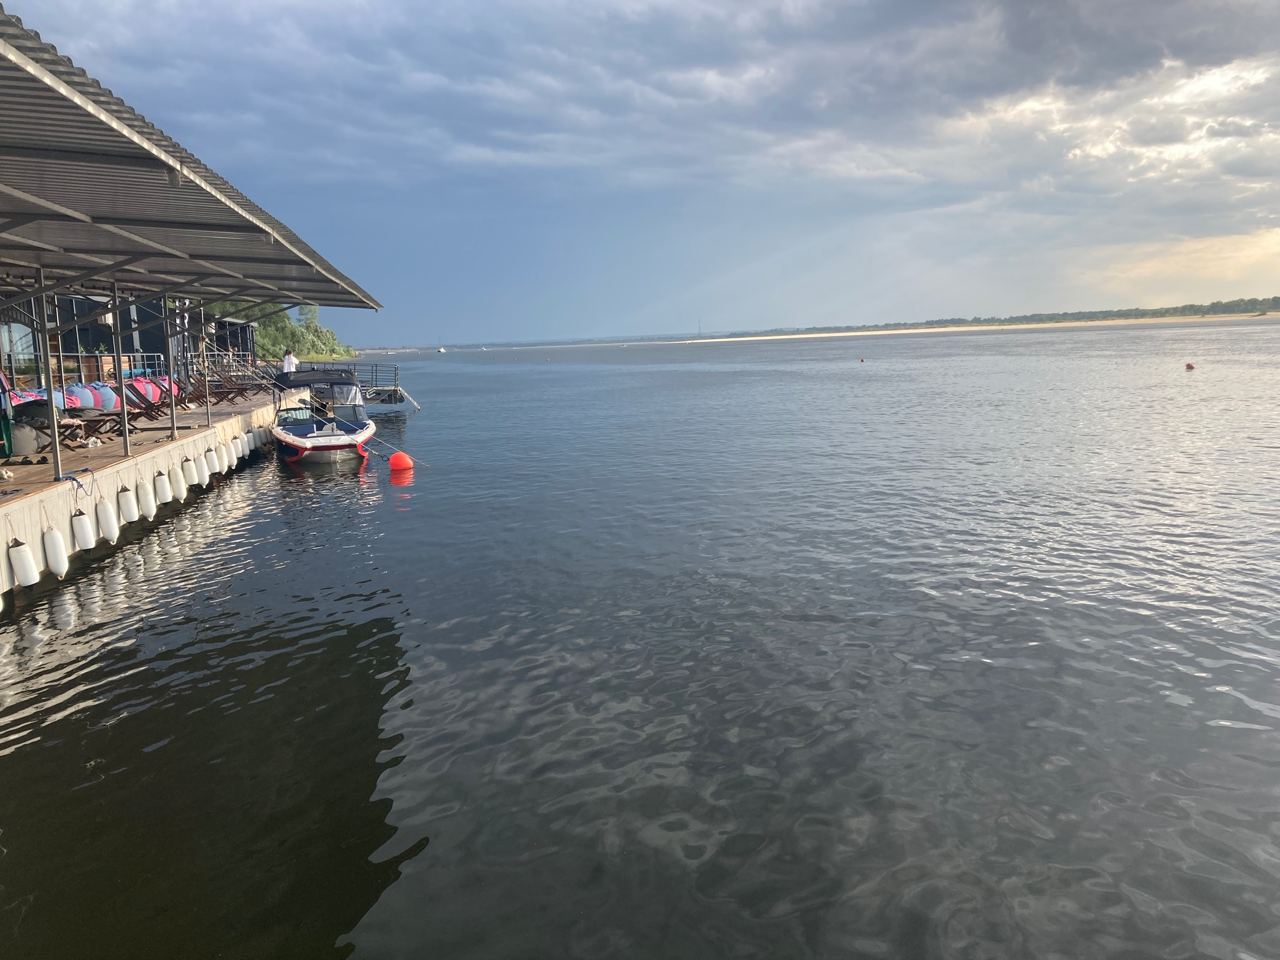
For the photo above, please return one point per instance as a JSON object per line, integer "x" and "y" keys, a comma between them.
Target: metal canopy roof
{"x": 92, "y": 193}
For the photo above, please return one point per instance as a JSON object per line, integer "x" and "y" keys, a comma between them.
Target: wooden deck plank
{"x": 33, "y": 478}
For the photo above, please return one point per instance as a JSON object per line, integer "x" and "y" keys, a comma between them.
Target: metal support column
{"x": 55, "y": 455}
{"x": 116, "y": 321}
{"x": 169, "y": 384}
{"x": 204, "y": 356}
{"x": 62, "y": 357}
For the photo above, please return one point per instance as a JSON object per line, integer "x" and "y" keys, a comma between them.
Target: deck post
{"x": 204, "y": 357}
{"x": 116, "y": 320}
{"x": 55, "y": 454}
{"x": 62, "y": 357}
{"x": 168, "y": 363}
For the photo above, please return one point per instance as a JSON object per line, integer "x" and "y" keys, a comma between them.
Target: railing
{"x": 26, "y": 370}
{"x": 234, "y": 365}
{"x": 377, "y": 375}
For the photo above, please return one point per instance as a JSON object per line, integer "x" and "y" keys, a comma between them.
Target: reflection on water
{"x": 196, "y": 773}
{"x": 968, "y": 650}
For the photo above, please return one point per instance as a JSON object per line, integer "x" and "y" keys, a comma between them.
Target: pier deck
{"x": 34, "y": 500}
{"x": 144, "y": 437}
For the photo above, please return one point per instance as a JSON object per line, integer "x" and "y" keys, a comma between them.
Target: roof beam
{"x": 210, "y": 258}
{"x": 135, "y": 301}
{"x": 174, "y": 314}
{"x": 26, "y": 243}
{"x": 65, "y": 282}
{"x": 172, "y": 252}
{"x": 101, "y": 158}
{"x": 199, "y": 175}
{"x": 16, "y": 221}
{"x": 141, "y": 223}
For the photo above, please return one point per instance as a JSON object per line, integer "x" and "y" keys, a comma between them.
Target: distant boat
{"x": 440, "y": 350}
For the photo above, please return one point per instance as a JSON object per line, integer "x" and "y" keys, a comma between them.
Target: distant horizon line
{"x": 1218, "y": 309}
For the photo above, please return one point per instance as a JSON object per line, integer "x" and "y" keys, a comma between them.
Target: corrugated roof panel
{"x": 104, "y": 180}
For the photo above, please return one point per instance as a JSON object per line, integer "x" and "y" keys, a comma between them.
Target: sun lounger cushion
{"x": 110, "y": 400}
{"x": 59, "y": 400}
{"x": 146, "y": 388}
{"x": 81, "y": 395}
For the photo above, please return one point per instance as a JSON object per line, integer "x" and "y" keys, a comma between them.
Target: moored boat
{"x": 323, "y": 418}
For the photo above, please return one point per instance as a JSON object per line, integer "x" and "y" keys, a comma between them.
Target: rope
{"x": 80, "y": 488}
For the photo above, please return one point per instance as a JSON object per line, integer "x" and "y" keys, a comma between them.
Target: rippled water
{"x": 971, "y": 649}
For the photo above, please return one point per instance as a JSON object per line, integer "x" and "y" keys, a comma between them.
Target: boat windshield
{"x": 338, "y": 393}
{"x": 349, "y": 413}
{"x": 294, "y": 415}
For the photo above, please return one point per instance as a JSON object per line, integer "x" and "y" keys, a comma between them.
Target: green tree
{"x": 278, "y": 332}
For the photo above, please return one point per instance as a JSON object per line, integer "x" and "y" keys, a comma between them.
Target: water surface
{"x": 931, "y": 646}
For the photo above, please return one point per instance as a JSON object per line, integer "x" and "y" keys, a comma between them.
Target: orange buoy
{"x": 401, "y": 461}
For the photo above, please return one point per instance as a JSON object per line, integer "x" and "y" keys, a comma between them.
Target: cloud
{"x": 924, "y": 91}
{"x": 980, "y": 128}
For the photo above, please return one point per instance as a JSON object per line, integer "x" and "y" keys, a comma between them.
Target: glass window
{"x": 293, "y": 415}
{"x": 349, "y": 412}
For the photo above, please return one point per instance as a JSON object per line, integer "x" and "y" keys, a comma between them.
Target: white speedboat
{"x": 323, "y": 419}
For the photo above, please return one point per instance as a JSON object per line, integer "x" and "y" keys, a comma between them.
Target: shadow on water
{"x": 191, "y": 755}
{"x": 234, "y": 816}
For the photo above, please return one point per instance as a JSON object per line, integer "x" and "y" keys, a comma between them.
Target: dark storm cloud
{"x": 672, "y": 89}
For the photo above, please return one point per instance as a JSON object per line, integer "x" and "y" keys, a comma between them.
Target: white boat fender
{"x": 147, "y": 500}
{"x": 129, "y": 511}
{"x": 108, "y": 522}
{"x": 189, "y": 472}
{"x": 220, "y": 459}
{"x": 25, "y": 571}
{"x": 237, "y": 449}
{"x": 164, "y": 490}
{"x": 210, "y": 464}
{"x": 55, "y": 553}
{"x": 178, "y": 482}
{"x": 247, "y": 441}
{"x": 228, "y": 460}
{"x": 264, "y": 437}
{"x": 82, "y": 531}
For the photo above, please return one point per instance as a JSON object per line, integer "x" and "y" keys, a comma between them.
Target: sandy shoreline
{"x": 974, "y": 328}
{"x": 866, "y": 332}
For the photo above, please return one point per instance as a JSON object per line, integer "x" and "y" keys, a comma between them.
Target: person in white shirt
{"x": 290, "y": 362}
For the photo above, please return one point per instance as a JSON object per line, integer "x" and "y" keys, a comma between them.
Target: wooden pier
{"x": 33, "y": 501}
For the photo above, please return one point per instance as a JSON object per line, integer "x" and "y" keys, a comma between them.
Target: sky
{"x": 493, "y": 170}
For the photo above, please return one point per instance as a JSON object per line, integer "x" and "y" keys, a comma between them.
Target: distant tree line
{"x": 279, "y": 332}
{"x": 1256, "y": 306}
{"x": 1245, "y": 306}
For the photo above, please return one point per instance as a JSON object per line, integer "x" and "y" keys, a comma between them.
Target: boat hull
{"x": 341, "y": 448}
